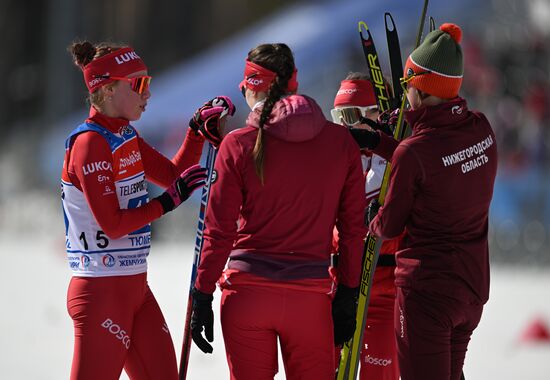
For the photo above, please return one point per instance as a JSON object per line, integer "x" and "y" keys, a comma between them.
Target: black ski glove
{"x": 366, "y": 138}
{"x": 385, "y": 123}
{"x": 344, "y": 307}
{"x": 371, "y": 211}
{"x": 202, "y": 316}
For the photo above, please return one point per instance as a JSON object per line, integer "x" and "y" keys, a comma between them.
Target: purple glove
{"x": 191, "y": 179}
{"x": 206, "y": 119}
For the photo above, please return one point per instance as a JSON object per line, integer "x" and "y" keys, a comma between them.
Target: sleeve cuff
{"x": 386, "y": 146}
{"x": 194, "y": 136}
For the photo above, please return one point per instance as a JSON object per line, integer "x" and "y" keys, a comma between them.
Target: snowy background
{"x": 36, "y": 331}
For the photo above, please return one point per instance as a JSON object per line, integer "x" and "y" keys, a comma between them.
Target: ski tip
{"x": 432, "y": 24}
{"x": 362, "y": 25}
{"x": 389, "y": 25}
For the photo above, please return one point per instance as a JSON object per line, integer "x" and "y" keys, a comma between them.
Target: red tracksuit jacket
{"x": 282, "y": 230}
{"x": 440, "y": 189}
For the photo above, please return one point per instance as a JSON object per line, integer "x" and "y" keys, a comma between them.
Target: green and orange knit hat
{"x": 437, "y": 64}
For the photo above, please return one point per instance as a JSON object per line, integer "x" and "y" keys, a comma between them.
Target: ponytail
{"x": 277, "y": 58}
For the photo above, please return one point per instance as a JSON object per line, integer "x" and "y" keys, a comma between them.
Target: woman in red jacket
{"x": 440, "y": 190}
{"x": 282, "y": 182}
{"x": 118, "y": 323}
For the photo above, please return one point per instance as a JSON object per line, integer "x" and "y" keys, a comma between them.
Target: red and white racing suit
{"x": 379, "y": 353}
{"x": 118, "y": 323}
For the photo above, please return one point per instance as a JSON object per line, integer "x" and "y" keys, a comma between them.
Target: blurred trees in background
{"x": 40, "y": 81}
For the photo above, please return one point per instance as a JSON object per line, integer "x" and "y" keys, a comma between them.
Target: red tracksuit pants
{"x": 379, "y": 352}
{"x": 433, "y": 332}
{"x": 253, "y": 318}
{"x": 118, "y": 324}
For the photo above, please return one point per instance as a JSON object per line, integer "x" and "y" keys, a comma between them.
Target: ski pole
{"x": 186, "y": 346}
{"x": 349, "y": 356}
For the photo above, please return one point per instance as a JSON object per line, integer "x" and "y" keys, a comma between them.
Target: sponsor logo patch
{"x": 108, "y": 261}
{"x": 377, "y": 361}
{"x": 126, "y": 57}
{"x": 346, "y": 91}
{"x": 96, "y": 167}
{"x": 117, "y": 331}
{"x": 85, "y": 261}
{"x": 132, "y": 159}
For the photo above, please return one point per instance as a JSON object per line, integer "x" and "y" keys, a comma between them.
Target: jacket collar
{"x": 451, "y": 112}
{"x": 112, "y": 124}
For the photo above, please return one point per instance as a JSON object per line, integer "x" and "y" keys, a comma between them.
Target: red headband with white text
{"x": 355, "y": 92}
{"x": 119, "y": 63}
{"x": 258, "y": 78}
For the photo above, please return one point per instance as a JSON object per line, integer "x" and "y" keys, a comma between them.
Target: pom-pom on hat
{"x": 437, "y": 64}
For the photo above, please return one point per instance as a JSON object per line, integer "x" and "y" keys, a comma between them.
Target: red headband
{"x": 258, "y": 78}
{"x": 119, "y": 63}
{"x": 355, "y": 92}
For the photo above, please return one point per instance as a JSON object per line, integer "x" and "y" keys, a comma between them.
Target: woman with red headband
{"x": 118, "y": 323}
{"x": 283, "y": 182}
{"x": 354, "y": 105}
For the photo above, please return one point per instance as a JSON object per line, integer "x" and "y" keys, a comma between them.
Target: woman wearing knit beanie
{"x": 440, "y": 189}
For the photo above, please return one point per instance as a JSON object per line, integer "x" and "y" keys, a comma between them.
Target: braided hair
{"x": 279, "y": 59}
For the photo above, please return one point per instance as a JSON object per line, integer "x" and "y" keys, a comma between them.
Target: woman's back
{"x": 308, "y": 161}
{"x": 312, "y": 181}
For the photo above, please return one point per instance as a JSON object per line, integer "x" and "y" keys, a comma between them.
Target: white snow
{"x": 36, "y": 332}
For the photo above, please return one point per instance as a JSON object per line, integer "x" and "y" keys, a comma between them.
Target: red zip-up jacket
{"x": 441, "y": 186}
{"x": 282, "y": 230}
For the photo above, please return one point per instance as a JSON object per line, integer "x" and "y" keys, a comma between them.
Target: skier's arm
{"x": 375, "y": 141}
{"x": 162, "y": 171}
{"x": 385, "y": 147}
{"x": 221, "y": 215}
{"x": 99, "y": 188}
{"x": 407, "y": 171}
{"x": 385, "y": 126}
{"x": 350, "y": 222}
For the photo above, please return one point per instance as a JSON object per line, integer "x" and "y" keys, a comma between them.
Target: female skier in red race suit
{"x": 118, "y": 323}
{"x": 283, "y": 181}
{"x": 355, "y": 102}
